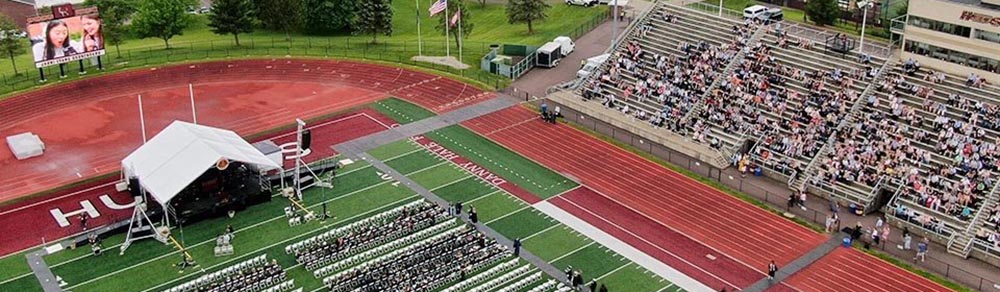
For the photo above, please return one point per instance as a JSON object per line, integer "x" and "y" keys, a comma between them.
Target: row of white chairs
{"x": 336, "y": 232}
{"x": 493, "y": 284}
{"x": 441, "y": 280}
{"x": 284, "y": 286}
{"x": 228, "y": 271}
{"x": 521, "y": 284}
{"x": 337, "y": 261}
{"x": 383, "y": 239}
{"x": 548, "y": 285}
{"x": 412, "y": 244}
{"x": 263, "y": 284}
{"x": 482, "y": 276}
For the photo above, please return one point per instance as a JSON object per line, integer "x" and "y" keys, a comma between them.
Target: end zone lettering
{"x": 471, "y": 167}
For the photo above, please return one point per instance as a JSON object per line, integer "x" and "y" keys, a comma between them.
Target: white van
{"x": 565, "y": 44}
{"x": 755, "y": 11}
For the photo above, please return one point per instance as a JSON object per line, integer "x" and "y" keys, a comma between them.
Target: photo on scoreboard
{"x": 67, "y": 35}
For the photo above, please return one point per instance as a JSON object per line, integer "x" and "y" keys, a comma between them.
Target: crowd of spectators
{"x": 660, "y": 85}
{"x": 920, "y": 129}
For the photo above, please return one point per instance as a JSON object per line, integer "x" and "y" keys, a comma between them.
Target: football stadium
{"x": 499, "y": 146}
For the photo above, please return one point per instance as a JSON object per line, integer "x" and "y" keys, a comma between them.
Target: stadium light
{"x": 863, "y": 5}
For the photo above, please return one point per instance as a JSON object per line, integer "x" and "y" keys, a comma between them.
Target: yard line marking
{"x": 615, "y": 270}
{"x": 276, "y": 243}
{"x": 482, "y": 197}
{"x": 508, "y": 214}
{"x": 542, "y": 231}
{"x": 448, "y": 184}
{"x": 572, "y": 251}
{"x": 665, "y": 288}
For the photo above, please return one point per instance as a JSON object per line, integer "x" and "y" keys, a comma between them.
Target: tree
{"x": 280, "y": 15}
{"x": 162, "y": 19}
{"x": 324, "y": 17}
{"x": 11, "y": 39}
{"x": 467, "y": 25}
{"x": 526, "y": 11}
{"x": 114, "y": 13}
{"x": 374, "y": 17}
{"x": 231, "y": 17}
{"x": 822, "y": 12}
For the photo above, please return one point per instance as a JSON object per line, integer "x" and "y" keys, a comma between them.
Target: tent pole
{"x": 298, "y": 160}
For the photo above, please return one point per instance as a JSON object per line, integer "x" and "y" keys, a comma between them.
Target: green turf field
{"x": 525, "y": 173}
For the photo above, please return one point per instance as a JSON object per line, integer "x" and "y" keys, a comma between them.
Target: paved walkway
{"x": 427, "y": 194}
{"x": 797, "y": 265}
{"x": 366, "y": 143}
{"x": 42, "y": 271}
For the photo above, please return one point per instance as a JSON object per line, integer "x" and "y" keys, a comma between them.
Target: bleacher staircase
{"x": 798, "y": 182}
{"x": 698, "y": 107}
{"x": 961, "y": 243}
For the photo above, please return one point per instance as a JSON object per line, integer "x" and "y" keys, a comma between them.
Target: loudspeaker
{"x": 133, "y": 187}
{"x": 306, "y": 139}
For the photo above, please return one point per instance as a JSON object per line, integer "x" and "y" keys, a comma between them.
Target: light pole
{"x": 863, "y": 5}
{"x": 614, "y": 27}
{"x": 720, "y": 8}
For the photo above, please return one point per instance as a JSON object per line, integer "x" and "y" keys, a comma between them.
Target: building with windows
{"x": 956, "y": 36}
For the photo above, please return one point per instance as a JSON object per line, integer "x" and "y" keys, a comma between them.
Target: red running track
{"x": 25, "y": 224}
{"x": 664, "y": 244}
{"x": 847, "y": 269}
{"x": 89, "y": 125}
{"x": 733, "y": 228}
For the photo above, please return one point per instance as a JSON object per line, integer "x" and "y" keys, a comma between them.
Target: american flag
{"x": 438, "y": 7}
{"x": 454, "y": 19}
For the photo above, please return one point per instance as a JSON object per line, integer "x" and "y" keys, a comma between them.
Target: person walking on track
{"x": 772, "y": 269}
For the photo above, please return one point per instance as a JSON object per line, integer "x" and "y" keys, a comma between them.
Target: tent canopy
{"x": 181, "y": 153}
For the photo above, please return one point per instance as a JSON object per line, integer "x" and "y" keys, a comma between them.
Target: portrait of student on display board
{"x": 56, "y": 43}
{"x": 92, "y": 39}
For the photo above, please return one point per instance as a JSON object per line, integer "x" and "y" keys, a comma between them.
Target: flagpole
{"x": 420, "y": 45}
{"x": 447, "y": 42}
{"x": 460, "y": 16}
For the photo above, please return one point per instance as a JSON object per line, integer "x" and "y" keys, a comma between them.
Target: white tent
{"x": 181, "y": 153}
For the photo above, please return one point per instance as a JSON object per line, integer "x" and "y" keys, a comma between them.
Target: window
{"x": 988, "y": 36}
{"x": 961, "y": 58}
{"x": 963, "y": 31}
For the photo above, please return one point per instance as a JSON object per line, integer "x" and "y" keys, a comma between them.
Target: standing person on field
{"x": 473, "y": 216}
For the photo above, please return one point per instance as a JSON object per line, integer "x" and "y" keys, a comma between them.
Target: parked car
{"x": 764, "y": 13}
{"x": 587, "y": 3}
